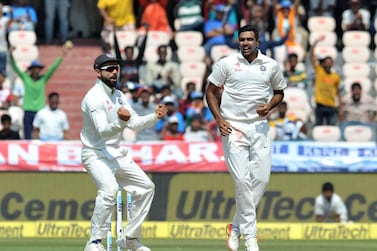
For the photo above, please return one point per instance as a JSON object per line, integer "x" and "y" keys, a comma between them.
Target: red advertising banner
{"x": 152, "y": 157}
{"x": 177, "y": 156}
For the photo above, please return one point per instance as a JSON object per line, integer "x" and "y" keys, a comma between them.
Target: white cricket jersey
{"x": 101, "y": 125}
{"x": 329, "y": 209}
{"x": 246, "y": 85}
{"x": 51, "y": 123}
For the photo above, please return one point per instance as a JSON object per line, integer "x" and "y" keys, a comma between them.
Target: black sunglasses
{"x": 110, "y": 68}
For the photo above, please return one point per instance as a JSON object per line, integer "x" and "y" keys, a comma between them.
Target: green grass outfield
{"x": 190, "y": 245}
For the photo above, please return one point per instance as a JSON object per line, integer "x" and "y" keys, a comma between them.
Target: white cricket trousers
{"x": 247, "y": 152}
{"x": 108, "y": 175}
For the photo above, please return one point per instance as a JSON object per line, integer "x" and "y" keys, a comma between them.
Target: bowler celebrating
{"x": 252, "y": 86}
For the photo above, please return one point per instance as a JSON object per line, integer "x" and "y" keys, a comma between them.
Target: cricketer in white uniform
{"x": 106, "y": 113}
{"x": 329, "y": 207}
{"x": 252, "y": 85}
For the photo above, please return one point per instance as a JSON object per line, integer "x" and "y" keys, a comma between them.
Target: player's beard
{"x": 110, "y": 82}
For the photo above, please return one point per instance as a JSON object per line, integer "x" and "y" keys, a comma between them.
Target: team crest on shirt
{"x": 238, "y": 67}
{"x": 120, "y": 101}
{"x": 262, "y": 68}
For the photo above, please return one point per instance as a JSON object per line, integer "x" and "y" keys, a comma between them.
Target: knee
{"x": 108, "y": 195}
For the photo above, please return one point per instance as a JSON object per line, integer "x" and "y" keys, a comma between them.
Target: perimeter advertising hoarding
{"x": 195, "y": 197}
{"x": 194, "y": 230}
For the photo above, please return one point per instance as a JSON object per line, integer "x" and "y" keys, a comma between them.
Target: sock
{"x": 96, "y": 241}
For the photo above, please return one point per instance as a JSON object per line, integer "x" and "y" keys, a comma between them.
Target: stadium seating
{"x": 125, "y": 38}
{"x": 150, "y": 53}
{"x": 330, "y": 38}
{"x": 354, "y": 53}
{"x": 188, "y": 38}
{"x": 358, "y": 133}
{"x": 321, "y": 23}
{"x": 356, "y": 38}
{"x": 22, "y": 37}
{"x": 356, "y": 70}
{"x": 220, "y": 51}
{"x": 326, "y": 133}
{"x": 190, "y": 53}
{"x": 298, "y": 103}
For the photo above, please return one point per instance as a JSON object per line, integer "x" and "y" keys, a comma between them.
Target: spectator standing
{"x": 61, "y": 9}
{"x": 106, "y": 113}
{"x": 5, "y": 21}
{"x": 51, "y": 123}
{"x": 326, "y": 89}
{"x": 24, "y": 16}
{"x": 155, "y": 16}
{"x": 144, "y": 107}
{"x": 117, "y": 15}
{"x": 185, "y": 101}
{"x": 219, "y": 31}
{"x": 253, "y": 86}
{"x": 6, "y": 133}
{"x": 358, "y": 109}
{"x": 355, "y": 17}
{"x": 35, "y": 88}
{"x": 130, "y": 66}
{"x": 329, "y": 206}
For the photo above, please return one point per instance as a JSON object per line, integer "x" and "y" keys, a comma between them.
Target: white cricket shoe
{"x": 251, "y": 245}
{"x": 133, "y": 244}
{"x": 233, "y": 240}
{"x": 91, "y": 246}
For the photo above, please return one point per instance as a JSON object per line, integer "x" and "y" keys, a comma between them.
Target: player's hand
{"x": 161, "y": 111}
{"x": 124, "y": 114}
{"x": 224, "y": 127}
{"x": 263, "y": 110}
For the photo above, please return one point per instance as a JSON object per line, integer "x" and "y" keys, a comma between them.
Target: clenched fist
{"x": 124, "y": 114}
{"x": 161, "y": 111}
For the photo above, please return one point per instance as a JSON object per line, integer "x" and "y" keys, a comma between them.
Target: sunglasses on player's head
{"x": 110, "y": 68}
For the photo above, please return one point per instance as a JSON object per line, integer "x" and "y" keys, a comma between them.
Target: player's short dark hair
{"x": 328, "y": 186}
{"x": 248, "y": 27}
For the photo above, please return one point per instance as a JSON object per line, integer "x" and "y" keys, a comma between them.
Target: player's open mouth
{"x": 246, "y": 49}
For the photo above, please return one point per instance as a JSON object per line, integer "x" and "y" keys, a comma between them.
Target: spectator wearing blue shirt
{"x": 219, "y": 31}
{"x": 172, "y": 107}
{"x": 24, "y": 16}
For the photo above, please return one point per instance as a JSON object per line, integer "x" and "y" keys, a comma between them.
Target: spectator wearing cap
{"x": 7, "y": 133}
{"x": 219, "y": 31}
{"x": 144, "y": 107}
{"x": 35, "y": 87}
{"x": 170, "y": 130}
{"x": 172, "y": 107}
{"x": 131, "y": 89}
{"x": 326, "y": 89}
{"x": 198, "y": 108}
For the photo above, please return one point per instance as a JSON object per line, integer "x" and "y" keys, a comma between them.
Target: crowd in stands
{"x": 168, "y": 47}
